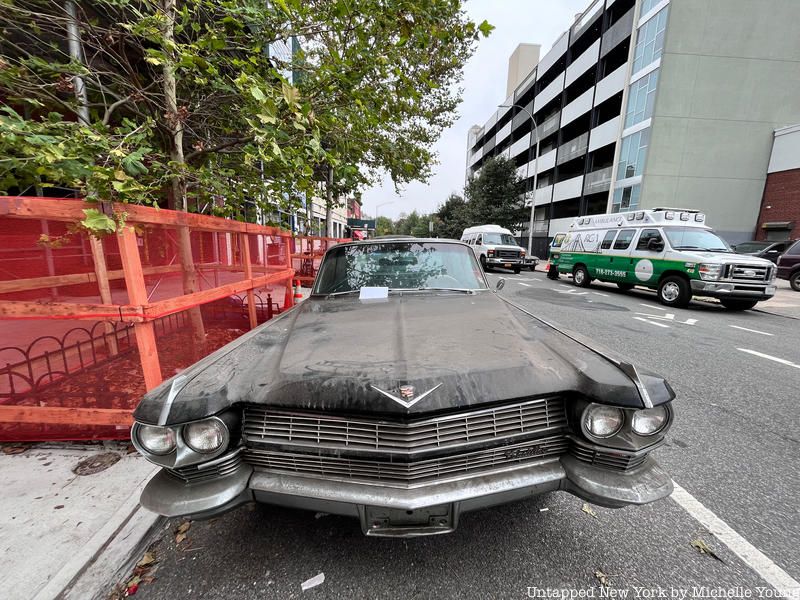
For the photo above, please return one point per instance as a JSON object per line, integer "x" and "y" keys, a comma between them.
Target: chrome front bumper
{"x": 726, "y": 289}
{"x": 171, "y": 497}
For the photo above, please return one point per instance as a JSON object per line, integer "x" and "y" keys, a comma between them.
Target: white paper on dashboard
{"x": 373, "y": 293}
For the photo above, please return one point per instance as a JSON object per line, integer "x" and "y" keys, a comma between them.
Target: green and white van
{"x": 666, "y": 249}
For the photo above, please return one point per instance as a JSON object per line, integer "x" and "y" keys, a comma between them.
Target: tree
{"x": 145, "y": 96}
{"x": 495, "y": 195}
{"x": 453, "y": 217}
{"x": 384, "y": 226}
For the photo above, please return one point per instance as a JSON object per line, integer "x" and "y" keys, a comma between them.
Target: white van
{"x": 494, "y": 246}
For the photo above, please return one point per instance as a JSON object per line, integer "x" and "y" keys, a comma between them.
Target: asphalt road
{"x": 734, "y": 448}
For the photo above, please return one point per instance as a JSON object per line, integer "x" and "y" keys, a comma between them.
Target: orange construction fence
{"x": 87, "y": 324}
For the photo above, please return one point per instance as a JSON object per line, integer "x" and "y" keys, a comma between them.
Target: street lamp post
{"x": 535, "y": 131}
{"x": 376, "y": 212}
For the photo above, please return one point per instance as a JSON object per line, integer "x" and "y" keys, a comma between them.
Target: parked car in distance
{"x": 403, "y": 392}
{"x": 763, "y": 249}
{"x": 495, "y": 246}
{"x": 789, "y": 266}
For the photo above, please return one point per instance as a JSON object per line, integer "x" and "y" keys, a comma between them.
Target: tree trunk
{"x": 329, "y": 204}
{"x": 175, "y": 122}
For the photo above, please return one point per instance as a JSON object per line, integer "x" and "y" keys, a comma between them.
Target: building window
{"x": 641, "y": 99}
{"x": 626, "y": 198}
{"x": 647, "y": 6}
{"x": 650, "y": 41}
{"x": 632, "y": 154}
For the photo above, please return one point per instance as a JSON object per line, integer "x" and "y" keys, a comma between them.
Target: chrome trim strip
{"x": 173, "y": 392}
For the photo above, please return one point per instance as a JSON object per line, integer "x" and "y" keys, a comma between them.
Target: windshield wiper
{"x": 345, "y": 292}
{"x": 691, "y": 248}
{"x": 447, "y": 289}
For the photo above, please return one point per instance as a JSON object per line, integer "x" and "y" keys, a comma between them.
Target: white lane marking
{"x": 782, "y": 361}
{"x": 652, "y": 306}
{"x": 651, "y": 322}
{"x": 668, "y": 317}
{"x": 750, "y": 330}
{"x": 750, "y": 555}
{"x": 573, "y": 291}
{"x": 599, "y": 294}
{"x": 525, "y": 284}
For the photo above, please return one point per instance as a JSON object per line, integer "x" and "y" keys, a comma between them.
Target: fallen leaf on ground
{"x": 59, "y": 507}
{"x": 602, "y": 578}
{"x": 14, "y": 449}
{"x": 181, "y": 531}
{"x": 589, "y": 510}
{"x": 147, "y": 559}
{"x": 703, "y": 548}
{"x": 313, "y": 582}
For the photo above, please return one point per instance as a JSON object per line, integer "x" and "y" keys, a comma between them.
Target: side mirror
{"x": 477, "y": 242}
{"x": 655, "y": 245}
{"x": 501, "y": 283}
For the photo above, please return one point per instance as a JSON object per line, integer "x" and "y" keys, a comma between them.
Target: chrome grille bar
{"x": 406, "y": 474}
{"x": 318, "y": 430}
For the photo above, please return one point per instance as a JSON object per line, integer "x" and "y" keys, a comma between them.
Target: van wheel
{"x": 674, "y": 291}
{"x": 625, "y": 287}
{"x": 794, "y": 281}
{"x": 552, "y": 272}
{"x": 734, "y": 304}
{"x": 486, "y": 268}
{"x": 517, "y": 270}
{"x": 581, "y": 276}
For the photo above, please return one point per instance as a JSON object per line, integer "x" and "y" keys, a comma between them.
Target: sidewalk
{"x": 68, "y": 535}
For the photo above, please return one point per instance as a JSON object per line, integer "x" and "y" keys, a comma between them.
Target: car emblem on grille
{"x": 749, "y": 273}
{"x": 407, "y": 391}
{"x": 406, "y": 394}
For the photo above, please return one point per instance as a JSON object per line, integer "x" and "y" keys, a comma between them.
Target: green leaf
{"x": 97, "y": 222}
{"x": 256, "y": 92}
{"x": 486, "y": 28}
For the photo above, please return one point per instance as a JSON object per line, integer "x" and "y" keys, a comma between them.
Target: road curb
{"x": 107, "y": 556}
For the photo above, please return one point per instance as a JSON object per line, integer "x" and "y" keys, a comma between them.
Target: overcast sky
{"x": 515, "y": 21}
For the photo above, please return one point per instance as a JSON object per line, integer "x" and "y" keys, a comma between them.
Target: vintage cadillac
{"x": 403, "y": 392}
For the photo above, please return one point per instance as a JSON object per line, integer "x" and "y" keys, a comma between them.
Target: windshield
{"x": 752, "y": 247}
{"x": 499, "y": 238}
{"x": 690, "y": 238}
{"x": 399, "y": 265}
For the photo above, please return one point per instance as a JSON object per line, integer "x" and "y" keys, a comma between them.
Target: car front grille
{"x": 604, "y": 457}
{"x": 321, "y": 431}
{"x": 383, "y": 471}
{"x": 214, "y": 469}
{"x": 508, "y": 253}
{"x": 748, "y": 273}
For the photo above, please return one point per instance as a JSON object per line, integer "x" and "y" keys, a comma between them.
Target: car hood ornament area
{"x": 405, "y": 395}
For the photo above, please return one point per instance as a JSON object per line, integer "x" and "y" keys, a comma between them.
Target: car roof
{"x": 486, "y": 228}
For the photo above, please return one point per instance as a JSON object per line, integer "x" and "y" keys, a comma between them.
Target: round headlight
{"x": 603, "y": 421}
{"x": 156, "y": 440}
{"x": 205, "y": 436}
{"x": 650, "y": 420}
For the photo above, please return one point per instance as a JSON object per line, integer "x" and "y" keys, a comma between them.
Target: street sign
{"x": 361, "y": 223}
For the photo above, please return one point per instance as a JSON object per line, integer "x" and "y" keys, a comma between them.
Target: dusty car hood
{"x": 724, "y": 257}
{"x": 327, "y": 354}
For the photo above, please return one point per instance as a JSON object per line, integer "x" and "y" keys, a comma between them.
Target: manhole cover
{"x": 95, "y": 464}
